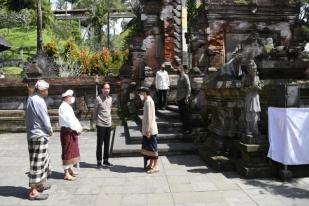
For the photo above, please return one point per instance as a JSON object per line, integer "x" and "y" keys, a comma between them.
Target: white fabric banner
{"x": 288, "y": 133}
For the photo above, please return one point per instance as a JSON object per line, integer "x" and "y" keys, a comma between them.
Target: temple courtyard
{"x": 182, "y": 180}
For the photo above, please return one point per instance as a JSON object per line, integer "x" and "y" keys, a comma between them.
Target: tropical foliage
{"x": 62, "y": 39}
{"x": 83, "y": 61}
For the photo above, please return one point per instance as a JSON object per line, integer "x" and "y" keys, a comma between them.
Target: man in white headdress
{"x": 70, "y": 129}
{"x": 38, "y": 132}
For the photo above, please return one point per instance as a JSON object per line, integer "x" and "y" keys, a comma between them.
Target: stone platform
{"x": 182, "y": 181}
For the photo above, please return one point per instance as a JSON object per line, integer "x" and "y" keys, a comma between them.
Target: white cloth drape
{"x": 67, "y": 118}
{"x": 288, "y": 131}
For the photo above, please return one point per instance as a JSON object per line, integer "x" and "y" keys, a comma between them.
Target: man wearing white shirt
{"x": 70, "y": 129}
{"x": 162, "y": 84}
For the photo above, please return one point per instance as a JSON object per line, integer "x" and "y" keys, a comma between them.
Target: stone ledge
{"x": 252, "y": 147}
{"x": 255, "y": 172}
{"x": 219, "y": 163}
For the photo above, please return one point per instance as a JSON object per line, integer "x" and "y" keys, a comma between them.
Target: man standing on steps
{"x": 162, "y": 84}
{"x": 38, "y": 132}
{"x": 182, "y": 97}
{"x": 149, "y": 131}
{"x": 103, "y": 119}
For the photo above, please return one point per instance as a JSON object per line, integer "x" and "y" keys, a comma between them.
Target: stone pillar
{"x": 216, "y": 44}
{"x": 167, "y": 18}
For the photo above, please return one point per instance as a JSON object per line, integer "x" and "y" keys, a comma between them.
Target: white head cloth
{"x": 69, "y": 92}
{"x": 41, "y": 85}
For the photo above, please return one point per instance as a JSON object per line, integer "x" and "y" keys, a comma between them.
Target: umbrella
{"x": 4, "y": 45}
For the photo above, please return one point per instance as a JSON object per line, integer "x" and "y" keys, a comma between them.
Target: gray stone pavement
{"x": 182, "y": 181}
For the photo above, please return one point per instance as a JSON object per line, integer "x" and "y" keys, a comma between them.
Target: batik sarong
{"x": 70, "y": 149}
{"x": 149, "y": 147}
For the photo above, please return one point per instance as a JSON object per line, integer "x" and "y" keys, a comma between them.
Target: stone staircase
{"x": 171, "y": 141}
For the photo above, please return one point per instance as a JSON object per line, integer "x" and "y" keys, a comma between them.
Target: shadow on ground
{"x": 186, "y": 160}
{"x": 273, "y": 186}
{"x": 125, "y": 169}
{"x": 11, "y": 191}
{"x": 56, "y": 175}
{"x": 87, "y": 165}
{"x": 284, "y": 189}
{"x": 201, "y": 171}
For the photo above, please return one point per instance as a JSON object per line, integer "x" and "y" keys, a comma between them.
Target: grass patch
{"x": 12, "y": 70}
{"x": 23, "y": 42}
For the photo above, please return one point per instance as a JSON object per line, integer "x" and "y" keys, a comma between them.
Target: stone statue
{"x": 232, "y": 69}
{"x": 251, "y": 85}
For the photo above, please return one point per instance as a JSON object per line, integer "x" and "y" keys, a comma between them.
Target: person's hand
{"x": 50, "y": 132}
{"x": 187, "y": 99}
{"x": 148, "y": 135}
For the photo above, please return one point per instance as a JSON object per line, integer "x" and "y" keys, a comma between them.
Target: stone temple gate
{"x": 217, "y": 40}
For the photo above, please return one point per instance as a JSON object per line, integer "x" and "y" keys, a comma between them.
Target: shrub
{"x": 68, "y": 68}
{"x": 85, "y": 62}
{"x": 70, "y": 50}
{"x": 51, "y": 48}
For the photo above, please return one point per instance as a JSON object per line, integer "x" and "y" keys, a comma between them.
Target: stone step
{"x": 219, "y": 163}
{"x": 51, "y": 113}
{"x": 12, "y": 113}
{"x": 174, "y": 125}
{"x": 163, "y": 123}
{"x": 21, "y": 113}
{"x": 19, "y": 125}
{"x": 135, "y": 135}
{"x": 172, "y": 116}
{"x": 168, "y": 114}
{"x": 173, "y": 108}
{"x": 120, "y": 148}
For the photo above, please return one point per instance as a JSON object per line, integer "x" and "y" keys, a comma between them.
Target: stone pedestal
{"x": 254, "y": 162}
{"x": 215, "y": 151}
{"x": 285, "y": 175}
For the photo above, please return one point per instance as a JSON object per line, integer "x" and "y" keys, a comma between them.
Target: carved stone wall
{"x": 14, "y": 95}
{"x": 228, "y": 23}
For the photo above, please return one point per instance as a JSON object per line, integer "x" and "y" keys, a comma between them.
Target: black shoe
{"x": 107, "y": 163}
{"x": 99, "y": 165}
{"x": 188, "y": 132}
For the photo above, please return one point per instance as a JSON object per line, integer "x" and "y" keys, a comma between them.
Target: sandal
{"x": 69, "y": 178}
{"x": 152, "y": 171}
{"x": 43, "y": 187}
{"x": 148, "y": 167}
{"x": 73, "y": 173}
{"x": 39, "y": 196}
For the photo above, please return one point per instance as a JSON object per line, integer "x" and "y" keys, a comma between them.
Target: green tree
{"x": 98, "y": 17}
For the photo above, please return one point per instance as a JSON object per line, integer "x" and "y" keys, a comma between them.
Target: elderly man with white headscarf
{"x": 38, "y": 132}
{"x": 70, "y": 129}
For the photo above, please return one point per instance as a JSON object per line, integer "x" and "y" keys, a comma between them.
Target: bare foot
{"x": 153, "y": 170}
{"x": 69, "y": 177}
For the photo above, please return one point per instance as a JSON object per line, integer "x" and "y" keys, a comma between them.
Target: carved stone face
{"x": 166, "y": 2}
{"x": 252, "y": 68}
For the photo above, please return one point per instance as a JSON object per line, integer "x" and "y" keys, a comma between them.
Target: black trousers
{"x": 185, "y": 114}
{"x": 103, "y": 137}
{"x": 162, "y": 102}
